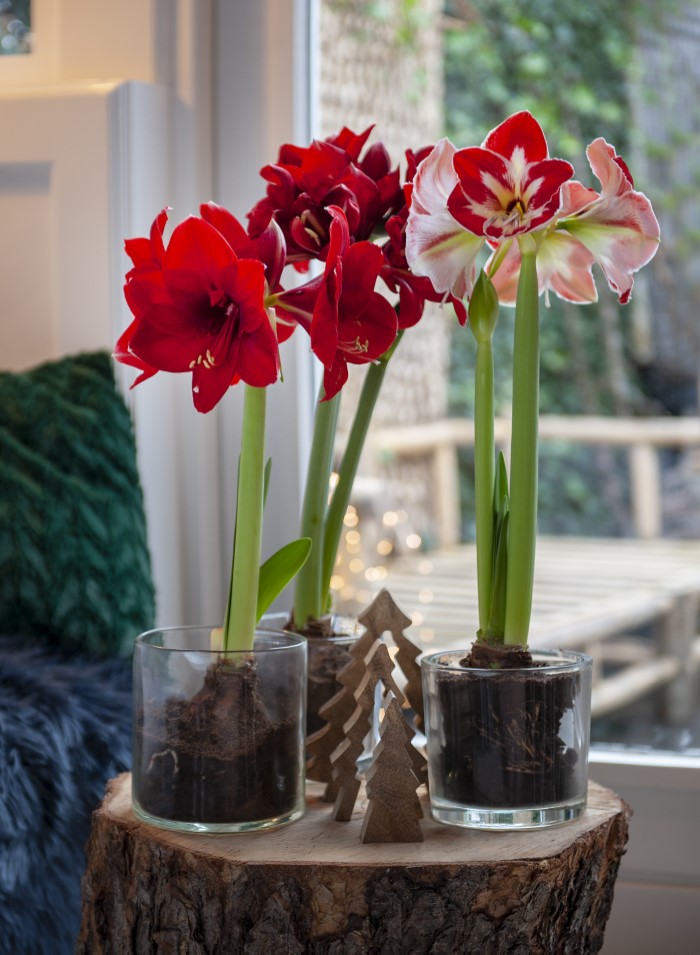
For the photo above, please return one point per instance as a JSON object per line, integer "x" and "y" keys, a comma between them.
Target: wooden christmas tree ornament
{"x": 379, "y": 668}
{"x": 394, "y": 808}
{"x": 337, "y": 711}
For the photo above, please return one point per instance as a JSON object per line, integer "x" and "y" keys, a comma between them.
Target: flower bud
{"x": 483, "y": 309}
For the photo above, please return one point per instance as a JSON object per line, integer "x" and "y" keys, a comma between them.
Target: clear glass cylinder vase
{"x": 218, "y": 740}
{"x": 507, "y": 748}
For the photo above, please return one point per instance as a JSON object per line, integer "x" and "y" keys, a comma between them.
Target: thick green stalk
{"x": 241, "y": 610}
{"x": 523, "y": 463}
{"x": 484, "y": 476}
{"x": 351, "y": 458}
{"x": 308, "y": 595}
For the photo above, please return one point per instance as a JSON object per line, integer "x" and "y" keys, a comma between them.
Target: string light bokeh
{"x": 372, "y": 539}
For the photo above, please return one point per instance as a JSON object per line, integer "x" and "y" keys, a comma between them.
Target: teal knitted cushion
{"x": 74, "y": 562}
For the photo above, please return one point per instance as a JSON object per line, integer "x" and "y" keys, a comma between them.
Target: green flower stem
{"x": 484, "y": 476}
{"x": 523, "y": 465}
{"x": 308, "y": 596}
{"x": 351, "y": 458}
{"x": 241, "y": 610}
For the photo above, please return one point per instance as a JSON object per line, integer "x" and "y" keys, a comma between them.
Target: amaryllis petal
{"x": 437, "y": 246}
{"x": 414, "y": 290}
{"x": 411, "y": 303}
{"x": 147, "y": 254}
{"x": 283, "y": 326}
{"x": 243, "y": 283}
{"x": 563, "y": 267}
{"x": 167, "y": 307}
{"x": 334, "y": 378}
{"x": 124, "y": 355}
{"x": 199, "y": 249}
{"x": 140, "y": 252}
{"x": 610, "y": 169}
{"x": 225, "y": 223}
{"x": 324, "y": 324}
{"x": 213, "y": 374}
{"x": 350, "y": 142}
{"x": 363, "y": 261}
{"x": 618, "y": 227}
{"x": 268, "y": 245}
{"x": 298, "y": 304}
{"x": 366, "y": 336}
{"x": 518, "y": 138}
{"x": 376, "y": 162}
{"x": 167, "y": 352}
{"x": 258, "y": 362}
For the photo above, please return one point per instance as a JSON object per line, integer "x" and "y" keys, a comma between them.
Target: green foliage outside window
{"x": 15, "y": 23}
{"x": 570, "y": 64}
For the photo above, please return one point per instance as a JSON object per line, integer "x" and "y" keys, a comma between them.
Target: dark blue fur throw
{"x": 65, "y": 729}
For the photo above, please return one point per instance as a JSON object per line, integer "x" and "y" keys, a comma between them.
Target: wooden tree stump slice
{"x": 314, "y": 887}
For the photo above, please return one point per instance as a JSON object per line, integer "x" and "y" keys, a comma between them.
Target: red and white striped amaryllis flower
{"x": 462, "y": 198}
{"x": 509, "y": 185}
{"x": 437, "y": 246}
{"x": 616, "y": 228}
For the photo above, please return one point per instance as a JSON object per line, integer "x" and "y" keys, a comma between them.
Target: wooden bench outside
{"x": 643, "y": 438}
{"x": 629, "y": 602}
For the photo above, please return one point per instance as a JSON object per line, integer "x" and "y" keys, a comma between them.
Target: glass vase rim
{"x": 292, "y": 640}
{"x": 563, "y": 661}
{"x": 354, "y": 627}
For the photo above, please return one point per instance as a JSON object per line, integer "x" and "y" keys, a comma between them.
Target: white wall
{"x": 124, "y": 108}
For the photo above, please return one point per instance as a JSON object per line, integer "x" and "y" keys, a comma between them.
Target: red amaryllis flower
{"x": 351, "y": 322}
{"x": 509, "y": 185}
{"x": 306, "y": 181}
{"x": 348, "y": 321}
{"x": 201, "y": 311}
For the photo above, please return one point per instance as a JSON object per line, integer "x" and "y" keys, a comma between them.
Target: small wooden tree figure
{"x": 330, "y": 750}
{"x": 382, "y": 614}
{"x": 406, "y": 658}
{"x": 344, "y": 758}
{"x": 419, "y": 762}
{"x": 337, "y": 711}
{"x": 394, "y": 808}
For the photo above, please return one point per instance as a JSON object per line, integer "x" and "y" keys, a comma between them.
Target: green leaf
{"x": 500, "y": 491}
{"x": 266, "y": 480}
{"x": 279, "y": 569}
{"x": 497, "y": 612}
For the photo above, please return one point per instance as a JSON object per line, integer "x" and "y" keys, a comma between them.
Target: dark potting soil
{"x": 502, "y": 745}
{"x": 218, "y": 757}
